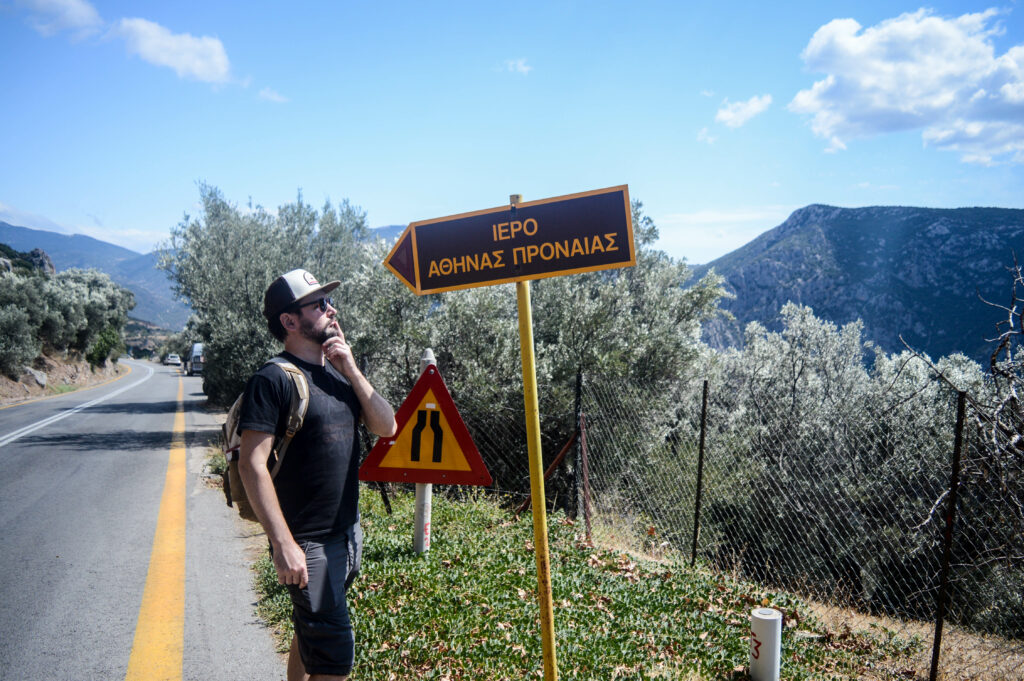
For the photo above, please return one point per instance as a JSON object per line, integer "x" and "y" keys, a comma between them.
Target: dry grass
{"x": 965, "y": 655}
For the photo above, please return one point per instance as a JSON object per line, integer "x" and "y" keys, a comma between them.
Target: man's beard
{"x": 320, "y": 337}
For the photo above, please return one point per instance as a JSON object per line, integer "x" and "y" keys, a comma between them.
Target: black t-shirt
{"x": 318, "y": 483}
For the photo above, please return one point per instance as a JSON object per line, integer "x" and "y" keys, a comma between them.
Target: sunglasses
{"x": 322, "y": 303}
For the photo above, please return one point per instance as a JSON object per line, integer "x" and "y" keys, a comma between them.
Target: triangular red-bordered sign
{"x": 431, "y": 445}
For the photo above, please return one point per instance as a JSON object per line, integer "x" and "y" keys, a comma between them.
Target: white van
{"x": 195, "y": 361}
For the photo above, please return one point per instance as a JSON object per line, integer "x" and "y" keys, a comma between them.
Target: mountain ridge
{"x": 905, "y": 271}
{"x": 154, "y": 299}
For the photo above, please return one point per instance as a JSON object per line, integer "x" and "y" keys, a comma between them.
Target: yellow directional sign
{"x": 432, "y": 444}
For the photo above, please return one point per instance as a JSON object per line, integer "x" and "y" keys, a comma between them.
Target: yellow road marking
{"x": 160, "y": 631}
{"x": 79, "y": 390}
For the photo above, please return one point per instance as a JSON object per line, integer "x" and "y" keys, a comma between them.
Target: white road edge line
{"x": 32, "y": 427}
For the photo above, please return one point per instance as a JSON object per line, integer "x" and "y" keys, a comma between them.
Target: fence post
{"x": 947, "y": 548}
{"x": 700, "y": 473}
{"x": 573, "y": 503}
{"x": 586, "y": 477}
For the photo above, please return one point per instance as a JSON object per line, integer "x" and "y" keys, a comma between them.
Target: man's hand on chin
{"x": 339, "y": 353}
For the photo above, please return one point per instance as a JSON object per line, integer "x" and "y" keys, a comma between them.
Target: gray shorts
{"x": 320, "y": 611}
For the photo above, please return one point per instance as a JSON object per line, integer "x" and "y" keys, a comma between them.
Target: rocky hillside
{"x": 915, "y": 272}
{"x": 25, "y": 263}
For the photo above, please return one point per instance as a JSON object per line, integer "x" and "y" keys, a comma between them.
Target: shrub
{"x": 108, "y": 345}
{"x": 18, "y": 343}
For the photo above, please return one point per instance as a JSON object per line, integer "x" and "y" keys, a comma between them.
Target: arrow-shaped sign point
{"x": 401, "y": 260}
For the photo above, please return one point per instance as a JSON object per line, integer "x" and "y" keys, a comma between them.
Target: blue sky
{"x": 722, "y": 117}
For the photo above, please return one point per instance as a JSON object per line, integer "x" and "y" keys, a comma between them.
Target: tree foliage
{"x": 72, "y": 311}
{"x": 828, "y": 468}
{"x": 222, "y": 261}
{"x": 811, "y": 409}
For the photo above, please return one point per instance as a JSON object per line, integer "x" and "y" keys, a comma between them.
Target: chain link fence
{"x": 842, "y": 500}
{"x": 847, "y": 507}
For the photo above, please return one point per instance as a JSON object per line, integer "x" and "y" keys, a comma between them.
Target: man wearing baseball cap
{"x": 309, "y": 509}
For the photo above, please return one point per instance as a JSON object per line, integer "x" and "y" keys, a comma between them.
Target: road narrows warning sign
{"x": 432, "y": 443}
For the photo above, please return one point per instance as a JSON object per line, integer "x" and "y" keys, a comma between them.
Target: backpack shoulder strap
{"x": 296, "y": 412}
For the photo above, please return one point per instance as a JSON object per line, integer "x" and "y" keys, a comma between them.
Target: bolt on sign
{"x": 562, "y": 235}
{"x": 431, "y": 445}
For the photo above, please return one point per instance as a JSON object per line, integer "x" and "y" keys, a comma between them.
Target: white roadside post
{"x": 765, "y": 644}
{"x": 424, "y": 490}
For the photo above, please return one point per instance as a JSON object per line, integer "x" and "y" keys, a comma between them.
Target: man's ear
{"x": 288, "y": 321}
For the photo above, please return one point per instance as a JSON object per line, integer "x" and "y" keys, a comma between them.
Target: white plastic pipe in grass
{"x": 765, "y": 644}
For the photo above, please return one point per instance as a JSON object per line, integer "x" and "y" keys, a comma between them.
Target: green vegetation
{"x": 79, "y": 311}
{"x": 810, "y": 409}
{"x": 142, "y": 338}
{"x": 223, "y": 261}
{"x": 639, "y": 323}
{"x": 467, "y": 610}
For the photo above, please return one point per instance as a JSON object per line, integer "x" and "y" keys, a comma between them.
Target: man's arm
{"x": 378, "y": 415}
{"x": 289, "y": 559}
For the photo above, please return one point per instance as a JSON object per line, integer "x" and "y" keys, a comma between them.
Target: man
{"x": 309, "y": 510}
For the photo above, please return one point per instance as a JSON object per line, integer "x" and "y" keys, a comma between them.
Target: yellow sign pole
{"x": 540, "y": 518}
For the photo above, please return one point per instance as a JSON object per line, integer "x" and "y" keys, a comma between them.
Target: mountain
{"x": 915, "y": 272}
{"x": 154, "y": 301}
{"x": 388, "y": 232}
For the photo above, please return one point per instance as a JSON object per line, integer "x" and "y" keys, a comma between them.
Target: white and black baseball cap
{"x": 290, "y": 288}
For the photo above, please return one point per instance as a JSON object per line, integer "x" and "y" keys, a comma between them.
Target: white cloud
{"x": 53, "y": 16}
{"x": 518, "y": 66}
{"x": 737, "y": 113}
{"x": 922, "y": 72}
{"x": 202, "y": 58}
{"x": 705, "y": 136}
{"x": 272, "y": 96}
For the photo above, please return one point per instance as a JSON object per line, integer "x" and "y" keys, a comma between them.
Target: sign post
{"x": 540, "y": 518}
{"x": 516, "y": 243}
{"x": 424, "y": 490}
{"x": 431, "y": 444}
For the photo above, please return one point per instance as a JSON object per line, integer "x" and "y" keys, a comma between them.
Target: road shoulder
{"x": 224, "y": 639}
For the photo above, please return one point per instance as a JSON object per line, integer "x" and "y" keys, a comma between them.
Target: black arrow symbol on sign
{"x": 435, "y": 427}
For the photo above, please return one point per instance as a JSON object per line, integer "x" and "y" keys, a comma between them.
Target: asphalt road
{"x": 82, "y": 476}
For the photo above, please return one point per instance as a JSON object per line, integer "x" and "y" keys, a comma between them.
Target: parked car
{"x": 172, "y": 359}
{"x": 195, "y": 361}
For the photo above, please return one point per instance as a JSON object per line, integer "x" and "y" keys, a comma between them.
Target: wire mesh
{"x": 844, "y": 505}
{"x": 839, "y": 498}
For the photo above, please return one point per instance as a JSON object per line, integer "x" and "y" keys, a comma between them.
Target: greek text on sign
{"x": 431, "y": 445}
{"x": 562, "y": 235}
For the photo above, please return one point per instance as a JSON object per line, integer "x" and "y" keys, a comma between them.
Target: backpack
{"x": 231, "y": 440}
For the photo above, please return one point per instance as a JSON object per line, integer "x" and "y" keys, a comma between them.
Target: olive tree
{"x": 222, "y": 261}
